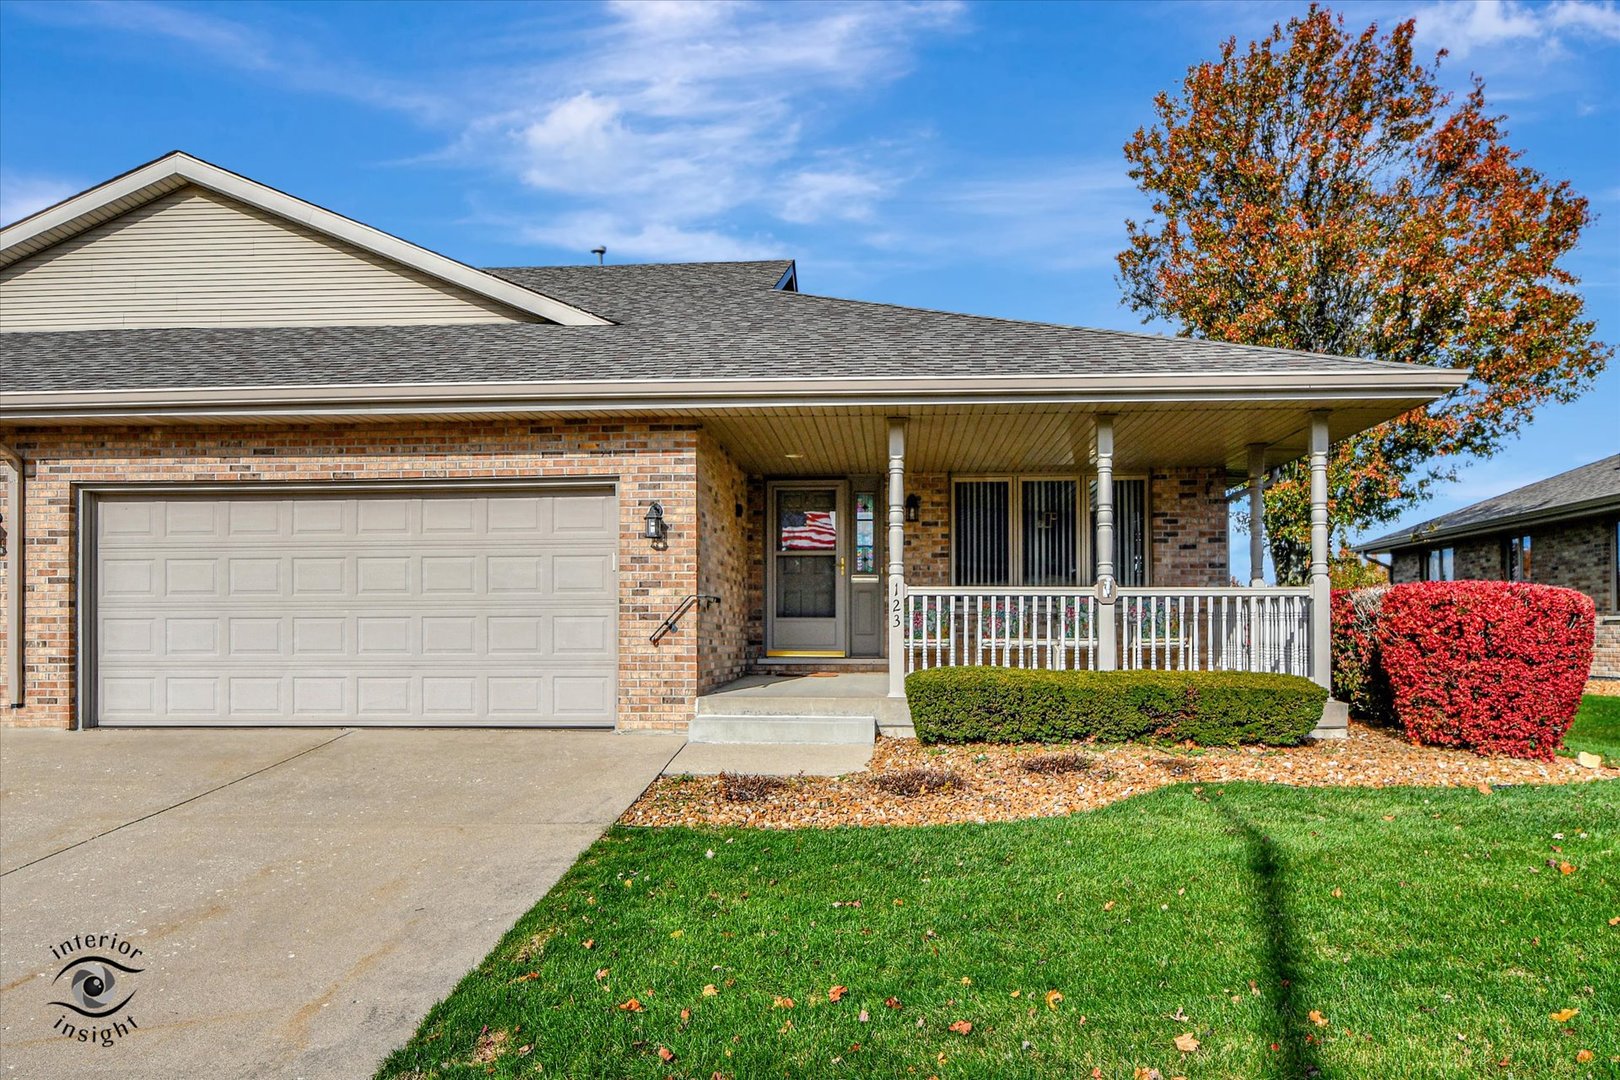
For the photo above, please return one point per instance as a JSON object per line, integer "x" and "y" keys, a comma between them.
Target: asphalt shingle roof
{"x": 672, "y": 321}
{"x": 1596, "y": 485}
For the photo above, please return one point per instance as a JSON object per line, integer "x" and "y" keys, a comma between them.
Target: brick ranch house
{"x": 267, "y": 465}
{"x": 1564, "y": 530}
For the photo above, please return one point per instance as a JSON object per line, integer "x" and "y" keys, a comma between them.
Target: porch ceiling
{"x": 1054, "y": 438}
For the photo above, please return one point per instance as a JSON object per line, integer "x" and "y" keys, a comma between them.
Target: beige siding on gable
{"x": 195, "y": 258}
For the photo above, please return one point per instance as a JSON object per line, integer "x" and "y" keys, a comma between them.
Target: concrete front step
{"x": 785, "y": 705}
{"x": 827, "y": 729}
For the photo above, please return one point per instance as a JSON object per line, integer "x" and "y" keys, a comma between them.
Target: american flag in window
{"x": 809, "y": 530}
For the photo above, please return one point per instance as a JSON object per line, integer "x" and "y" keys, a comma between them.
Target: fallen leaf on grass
{"x": 686, "y": 1015}
{"x": 1052, "y": 999}
{"x": 677, "y": 933}
{"x": 1584, "y": 1056}
{"x": 1483, "y": 789}
{"x": 633, "y": 1005}
{"x": 1109, "y": 906}
{"x": 589, "y": 943}
{"x": 892, "y": 1002}
{"x": 966, "y": 981}
{"x": 1615, "y": 921}
{"x": 1317, "y": 1018}
{"x": 1565, "y": 1015}
{"x": 1145, "y": 1073}
{"x": 601, "y": 973}
{"x": 836, "y": 993}
{"x": 1016, "y": 993}
{"x": 1565, "y": 868}
{"x": 710, "y": 990}
{"x": 865, "y": 1016}
{"x": 782, "y": 1003}
{"x": 1187, "y": 1044}
{"x": 962, "y": 1027}
{"x": 666, "y": 1054}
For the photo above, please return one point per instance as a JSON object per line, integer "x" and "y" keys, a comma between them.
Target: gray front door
{"x": 399, "y": 608}
{"x": 806, "y": 566}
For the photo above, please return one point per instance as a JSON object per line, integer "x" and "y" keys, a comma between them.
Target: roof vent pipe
{"x": 599, "y": 251}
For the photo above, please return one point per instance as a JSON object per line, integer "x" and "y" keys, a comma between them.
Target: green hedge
{"x": 1212, "y": 708}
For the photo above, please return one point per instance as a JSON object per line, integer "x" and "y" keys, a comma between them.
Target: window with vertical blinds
{"x": 981, "y": 525}
{"x": 1026, "y": 531}
{"x": 1048, "y": 519}
{"x": 1130, "y": 531}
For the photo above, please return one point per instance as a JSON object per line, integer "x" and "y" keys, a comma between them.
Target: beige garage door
{"x": 449, "y": 609}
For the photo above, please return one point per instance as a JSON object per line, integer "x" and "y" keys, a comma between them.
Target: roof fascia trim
{"x": 291, "y": 208}
{"x": 1277, "y": 390}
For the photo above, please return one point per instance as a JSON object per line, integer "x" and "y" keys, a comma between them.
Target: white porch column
{"x": 1257, "y": 515}
{"x": 1321, "y": 591}
{"x": 1107, "y": 632}
{"x": 897, "y": 558}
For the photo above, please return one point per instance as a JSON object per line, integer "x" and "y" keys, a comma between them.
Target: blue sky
{"x": 959, "y": 156}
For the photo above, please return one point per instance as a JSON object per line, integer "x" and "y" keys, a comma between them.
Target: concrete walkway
{"x": 300, "y": 898}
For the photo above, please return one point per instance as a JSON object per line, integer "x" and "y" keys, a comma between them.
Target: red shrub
{"x": 1358, "y": 675}
{"x": 1489, "y": 665}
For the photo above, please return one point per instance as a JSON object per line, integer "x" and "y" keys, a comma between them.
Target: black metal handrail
{"x": 699, "y": 600}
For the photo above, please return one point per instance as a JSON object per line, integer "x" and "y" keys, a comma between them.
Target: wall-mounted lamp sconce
{"x": 913, "y": 507}
{"x": 653, "y": 527}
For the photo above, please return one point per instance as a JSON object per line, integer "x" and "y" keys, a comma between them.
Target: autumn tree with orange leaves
{"x": 1318, "y": 190}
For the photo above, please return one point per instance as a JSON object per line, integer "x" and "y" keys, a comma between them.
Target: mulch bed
{"x": 912, "y": 784}
{"x": 1603, "y": 687}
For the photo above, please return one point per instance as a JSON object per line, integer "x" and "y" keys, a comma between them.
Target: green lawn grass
{"x": 1596, "y": 729}
{"x": 1425, "y": 926}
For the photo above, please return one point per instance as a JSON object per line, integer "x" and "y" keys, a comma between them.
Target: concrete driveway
{"x": 299, "y": 897}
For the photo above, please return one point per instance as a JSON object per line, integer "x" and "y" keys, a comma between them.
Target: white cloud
{"x": 631, "y": 241}
{"x": 669, "y": 118}
{"x": 237, "y": 44}
{"x": 814, "y": 194}
{"x": 1474, "y": 26}
{"x": 22, "y": 194}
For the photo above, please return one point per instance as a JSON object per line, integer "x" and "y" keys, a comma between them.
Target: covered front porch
{"x": 1031, "y": 535}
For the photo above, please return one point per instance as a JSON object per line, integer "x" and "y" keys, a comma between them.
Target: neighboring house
{"x": 1564, "y": 530}
{"x": 278, "y": 467}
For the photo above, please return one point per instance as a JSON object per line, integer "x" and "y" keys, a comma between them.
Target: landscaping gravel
{"x": 993, "y": 782}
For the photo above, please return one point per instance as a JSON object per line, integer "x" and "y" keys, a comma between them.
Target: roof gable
{"x": 178, "y": 191}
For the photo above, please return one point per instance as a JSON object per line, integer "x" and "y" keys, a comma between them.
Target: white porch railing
{"x": 1056, "y": 629}
{"x": 1216, "y": 629}
{"x": 1045, "y": 628}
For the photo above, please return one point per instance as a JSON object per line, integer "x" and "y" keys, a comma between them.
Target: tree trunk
{"x": 1291, "y": 560}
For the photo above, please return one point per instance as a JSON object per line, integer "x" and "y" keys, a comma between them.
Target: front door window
{"x": 807, "y": 553}
{"x": 808, "y": 549}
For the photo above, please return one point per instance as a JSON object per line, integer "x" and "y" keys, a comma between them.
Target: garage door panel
{"x": 420, "y": 610}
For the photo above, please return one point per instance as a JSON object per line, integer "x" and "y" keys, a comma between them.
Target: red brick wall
{"x": 1187, "y": 528}
{"x": 1606, "y": 654}
{"x": 928, "y": 539}
{"x": 724, "y": 566}
{"x": 649, "y": 462}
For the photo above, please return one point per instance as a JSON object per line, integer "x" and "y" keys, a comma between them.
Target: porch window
{"x": 1026, "y": 532}
{"x": 1130, "y": 532}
